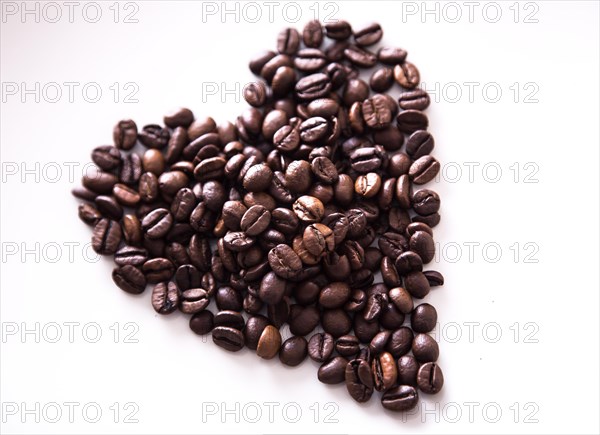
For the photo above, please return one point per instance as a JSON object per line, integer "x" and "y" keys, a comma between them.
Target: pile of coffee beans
{"x": 289, "y": 215}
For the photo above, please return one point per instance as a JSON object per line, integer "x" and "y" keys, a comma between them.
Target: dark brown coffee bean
{"x": 228, "y": 338}
{"x": 424, "y": 169}
{"x": 389, "y": 273}
{"x": 303, "y": 320}
{"x": 313, "y": 86}
{"x": 165, "y": 297}
{"x": 272, "y": 288}
{"x": 368, "y": 35}
{"x": 400, "y": 342}
{"x": 125, "y": 134}
{"x": 401, "y": 398}
{"x": 157, "y": 223}
{"x": 425, "y": 348}
{"x": 423, "y": 318}
{"x": 308, "y": 209}
{"x": 288, "y": 41}
{"x": 293, "y": 351}
{"x": 430, "y": 378}
{"x": 407, "y": 75}
{"x": 402, "y": 299}
{"x": 129, "y": 279}
{"x": 154, "y": 136}
{"x": 320, "y": 347}
{"x": 408, "y": 262}
{"x": 333, "y": 371}
{"x": 324, "y": 170}
{"x": 382, "y": 79}
{"x": 338, "y": 30}
{"x": 312, "y": 35}
{"x": 284, "y": 261}
{"x": 259, "y": 60}
{"x": 376, "y": 113}
{"x": 255, "y": 220}
{"x": 426, "y": 202}
{"x": 202, "y": 323}
{"x": 392, "y": 244}
{"x": 310, "y": 60}
{"x": 131, "y": 255}
{"x": 132, "y": 230}
{"x": 422, "y": 243}
{"x": 391, "y": 55}
{"x": 106, "y": 237}
{"x": 89, "y": 214}
{"x": 359, "y": 380}
{"x": 106, "y": 157}
{"x": 414, "y": 100}
{"x": 360, "y": 57}
{"x": 356, "y": 90}
{"x": 158, "y": 269}
{"x": 255, "y": 94}
{"x": 100, "y": 182}
{"x": 434, "y": 278}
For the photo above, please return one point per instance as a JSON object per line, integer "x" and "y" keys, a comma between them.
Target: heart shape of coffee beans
{"x": 288, "y": 214}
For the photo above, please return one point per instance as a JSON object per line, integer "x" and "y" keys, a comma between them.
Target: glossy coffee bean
{"x": 434, "y": 278}
{"x": 333, "y": 371}
{"x": 401, "y": 398}
{"x": 407, "y": 75}
{"x": 359, "y": 380}
{"x": 423, "y": 318}
{"x": 425, "y": 348}
{"x": 228, "y": 338}
{"x": 165, "y": 297}
{"x": 106, "y": 237}
{"x": 293, "y": 351}
{"x": 430, "y": 378}
{"x": 385, "y": 371}
{"x": 320, "y": 347}
{"x": 269, "y": 342}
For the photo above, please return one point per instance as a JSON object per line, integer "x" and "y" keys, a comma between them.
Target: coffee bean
{"x": 422, "y": 243}
{"x": 367, "y": 186}
{"x": 187, "y": 276}
{"x": 356, "y": 91}
{"x": 284, "y": 261}
{"x": 410, "y": 121}
{"x": 255, "y": 220}
{"x": 401, "y": 398}
{"x": 313, "y": 86}
{"x": 338, "y": 30}
{"x": 125, "y": 134}
{"x": 382, "y": 79}
{"x": 400, "y": 342}
{"x": 426, "y": 202}
{"x": 130, "y": 279}
{"x": 106, "y": 237}
{"x": 293, "y": 351}
{"x": 360, "y": 57}
{"x": 365, "y": 160}
{"x": 333, "y": 371}
{"x": 106, "y": 157}
{"x": 359, "y": 380}
{"x": 423, "y": 318}
{"x": 407, "y": 75}
{"x": 389, "y": 273}
{"x": 132, "y": 230}
{"x": 228, "y": 338}
{"x": 417, "y": 285}
{"x": 298, "y": 176}
{"x": 272, "y": 288}
{"x": 320, "y": 347}
{"x": 324, "y": 169}
{"x": 89, "y": 214}
{"x": 310, "y": 60}
{"x": 131, "y": 255}
{"x": 269, "y": 342}
{"x": 391, "y": 55}
{"x": 368, "y": 35}
{"x": 384, "y": 371}
{"x": 308, "y": 209}
{"x": 154, "y": 136}
{"x": 255, "y": 94}
{"x": 228, "y": 299}
{"x": 393, "y": 244}
{"x": 125, "y": 195}
{"x": 303, "y": 320}
{"x": 414, "y": 100}
{"x": 425, "y": 348}
{"x": 288, "y": 41}
{"x": 434, "y": 278}
{"x": 430, "y": 378}
{"x": 165, "y": 297}
{"x": 100, "y": 182}
{"x": 231, "y": 319}
{"x": 202, "y": 323}
{"x": 157, "y": 223}
{"x": 312, "y": 35}
{"x": 408, "y": 262}
{"x": 158, "y": 269}
{"x": 347, "y": 345}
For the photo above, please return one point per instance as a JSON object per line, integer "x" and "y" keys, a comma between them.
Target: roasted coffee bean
{"x": 255, "y": 220}
{"x": 392, "y": 244}
{"x": 148, "y": 187}
{"x": 255, "y": 94}
{"x": 376, "y": 113}
{"x": 338, "y": 30}
{"x": 364, "y": 330}
{"x": 308, "y": 209}
{"x": 230, "y": 319}
{"x": 356, "y": 91}
{"x": 202, "y": 323}
{"x": 430, "y": 378}
{"x": 153, "y": 161}
{"x": 384, "y": 371}
{"x": 334, "y": 295}
{"x": 382, "y": 79}
{"x": 125, "y": 134}
{"x": 310, "y": 60}
{"x": 313, "y": 86}
{"x": 259, "y": 60}
{"x": 154, "y": 136}
{"x": 181, "y": 117}
{"x": 157, "y": 223}
{"x": 407, "y": 75}
{"x": 414, "y": 100}
{"x": 359, "y": 380}
{"x": 426, "y": 202}
{"x": 417, "y": 285}
{"x": 109, "y": 207}
{"x": 131, "y": 255}
{"x": 365, "y": 160}
{"x": 320, "y": 347}
{"x": 368, "y": 35}
{"x": 130, "y": 279}
{"x": 400, "y": 342}
{"x": 272, "y": 288}
{"x": 89, "y": 214}
{"x": 284, "y": 261}
{"x": 434, "y": 278}
{"x": 298, "y": 176}
{"x": 293, "y": 351}
{"x": 410, "y": 121}
{"x": 187, "y": 277}
{"x": 336, "y": 322}
{"x": 423, "y": 318}
{"x": 408, "y": 262}
{"x": 288, "y": 41}
{"x": 165, "y": 297}
{"x": 84, "y": 193}
{"x": 106, "y": 237}
{"x": 106, "y": 157}
{"x": 132, "y": 230}
{"x": 303, "y": 320}
{"x": 425, "y": 348}
{"x": 228, "y": 338}
{"x": 367, "y": 186}
{"x": 169, "y": 183}
{"x": 422, "y": 243}
{"x": 258, "y": 178}
{"x": 269, "y": 342}
{"x": 333, "y": 371}
{"x": 158, "y": 269}
{"x": 401, "y": 398}
{"x": 360, "y": 57}
{"x": 312, "y": 35}
{"x": 431, "y": 219}
{"x": 389, "y": 273}
{"x": 100, "y": 182}
{"x": 347, "y": 345}
{"x": 228, "y": 299}
{"x": 391, "y": 55}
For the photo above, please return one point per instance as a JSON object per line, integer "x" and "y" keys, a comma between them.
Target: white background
{"x": 541, "y": 372}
